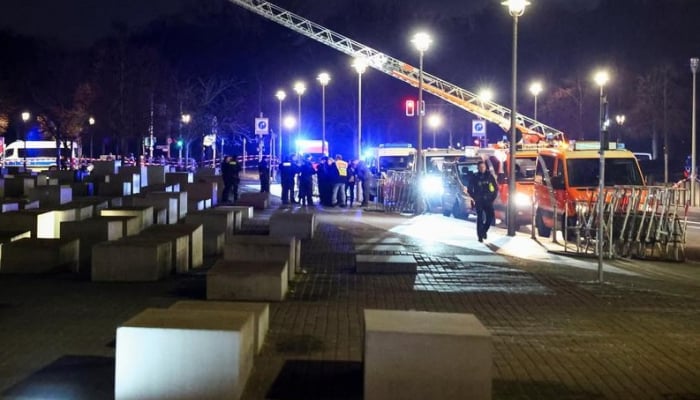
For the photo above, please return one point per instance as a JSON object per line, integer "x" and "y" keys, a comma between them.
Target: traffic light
{"x": 179, "y": 143}
{"x": 410, "y": 108}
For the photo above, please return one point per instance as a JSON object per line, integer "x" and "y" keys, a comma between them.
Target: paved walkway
{"x": 557, "y": 333}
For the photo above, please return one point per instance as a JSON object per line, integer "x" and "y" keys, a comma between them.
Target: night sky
{"x": 560, "y": 41}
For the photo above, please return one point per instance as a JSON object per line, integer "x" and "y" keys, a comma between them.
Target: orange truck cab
{"x": 565, "y": 175}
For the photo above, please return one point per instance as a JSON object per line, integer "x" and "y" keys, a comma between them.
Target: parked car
{"x": 455, "y": 198}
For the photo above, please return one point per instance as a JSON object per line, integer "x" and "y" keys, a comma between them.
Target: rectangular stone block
{"x": 42, "y": 223}
{"x": 35, "y": 256}
{"x": 202, "y": 191}
{"x": 196, "y": 205}
{"x": 9, "y": 206}
{"x": 83, "y": 189}
{"x": 168, "y": 204}
{"x": 91, "y": 232}
{"x": 218, "y": 222}
{"x": 160, "y": 216}
{"x": 260, "y": 311}
{"x": 113, "y": 189}
{"x": 180, "y": 242}
{"x": 104, "y": 167}
{"x": 141, "y": 171}
{"x": 82, "y": 210}
{"x": 385, "y": 264}
{"x": 235, "y": 280}
{"x": 181, "y": 178}
{"x": 19, "y": 186}
{"x": 64, "y": 177}
{"x": 218, "y": 187}
{"x": 130, "y": 225}
{"x": 195, "y": 235}
{"x": 45, "y": 180}
{"x": 144, "y": 213}
{"x": 262, "y": 248}
{"x": 161, "y": 187}
{"x": 133, "y": 179}
{"x": 28, "y": 205}
{"x": 156, "y": 174}
{"x": 288, "y": 223}
{"x": 235, "y": 215}
{"x": 214, "y": 243}
{"x": 184, "y": 354}
{"x": 180, "y": 197}
{"x": 131, "y": 260}
{"x": 7, "y": 236}
{"x": 425, "y": 355}
{"x": 259, "y": 201}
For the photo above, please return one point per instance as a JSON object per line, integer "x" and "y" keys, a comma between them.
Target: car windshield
{"x": 466, "y": 171}
{"x": 583, "y": 172}
{"x": 387, "y": 163}
{"x": 525, "y": 169}
{"x": 433, "y": 164}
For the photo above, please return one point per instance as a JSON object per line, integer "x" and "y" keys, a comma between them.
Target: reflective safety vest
{"x": 342, "y": 167}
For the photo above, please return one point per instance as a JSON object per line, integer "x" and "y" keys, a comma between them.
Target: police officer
{"x": 340, "y": 180}
{"x": 482, "y": 189}
{"x": 287, "y": 172}
{"x": 264, "y": 172}
{"x": 230, "y": 169}
{"x": 306, "y": 182}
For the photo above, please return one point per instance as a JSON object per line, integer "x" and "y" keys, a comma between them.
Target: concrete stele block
{"x": 144, "y": 213}
{"x": 216, "y": 190}
{"x": 261, "y": 249}
{"x": 90, "y": 232}
{"x": 114, "y": 189}
{"x": 261, "y": 314}
{"x": 195, "y": 234}
{"x": 18, "y": 186}
{"x": 235, "y": 215}
{"x": 133, "y": 179}
{"x": 141, "y": 171}
{"x": 424, "y": 355}
{"x": 131, "y": 261}
{"x": 298, "y": 224}
{"x": 156, "y": 174}
{"x": 104, "y": 168}
{"x": 214, "y": 243}
{"x": 168, "y": 204}
{"x": 183, "y": 354}
{"x": 202, "y": 191}
{"x": 222, "y": 222}
{"x": 9, "y": 206}
{"x": 246, "y": 211}
{"x": 259, "y": 201}
{"x": 42, "y": 223}
{"x": 182, "y": 178}
{"x": 236, "y": 280}
{"x": 385, "y": 264}
{"x": 34, "y": 256}
{"x": 180, "y": 197}
{"x": 180, "y": 242}
{"x": 130, "y": 225}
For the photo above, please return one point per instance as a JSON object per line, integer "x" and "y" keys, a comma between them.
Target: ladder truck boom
{"x": 532, "y": 131}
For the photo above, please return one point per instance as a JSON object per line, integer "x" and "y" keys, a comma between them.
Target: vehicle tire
{"x": 542, "y": 230}
{"x": 456, "y": 210}
{"x": 445, "y": 210}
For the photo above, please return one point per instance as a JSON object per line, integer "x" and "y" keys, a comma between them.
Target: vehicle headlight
{"x": 522, "y": 200}
{"x": 431, "y": 185}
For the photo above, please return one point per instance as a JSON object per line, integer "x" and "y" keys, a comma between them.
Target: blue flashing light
{"x": 396, "y": 145}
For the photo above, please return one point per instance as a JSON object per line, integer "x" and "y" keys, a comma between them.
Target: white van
{"x": 40, "y": 154}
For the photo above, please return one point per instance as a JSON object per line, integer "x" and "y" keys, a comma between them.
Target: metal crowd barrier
{"x": 638, "y": 221}
{"x": 397, "y": 192}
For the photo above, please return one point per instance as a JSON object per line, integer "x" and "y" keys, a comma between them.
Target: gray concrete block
{"x": 246, "y": 211}
{"x": 184, "y": 354}
{"x": 104, "y": 168}
{"x": 144, "y": 213}
{"x": 141, "y": 171}
{"x": 168, "y": 204}
{"x": 35, "y": 256}
{"x": 180, "y": 242}
{"x": 42, "y": 223}
{"x": 385, "y": 264}
{"x": 18, "y": 186}
{"x": 235, "y": 280}
{"x": 301, "y": 225}
{"x": 181, "y": 178}
{"x": 259, "y": 201}
{"x": 91, "y": 232}
{"x": 202, "y": 191}
{"x": 113, "y": 189}
{"x": 262, "y": 249}
{"x": 260, "y": 311}
{"x": 130, "y": 225}
{"x": 156, "y": 174}
{"x": 131, "y": 260}
{"x": 180, "y": 197}
{"x": 214, "y": 243}
{"x": 425, "y": 355}
{"x": 195, "y": 234}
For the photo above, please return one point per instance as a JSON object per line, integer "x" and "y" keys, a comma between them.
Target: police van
{"x": 39, "y": 154}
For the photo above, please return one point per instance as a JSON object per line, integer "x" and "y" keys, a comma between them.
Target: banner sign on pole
{"x": 479, "y": 128}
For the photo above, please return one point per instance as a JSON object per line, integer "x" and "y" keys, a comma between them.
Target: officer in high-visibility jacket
{"x": 483, "y": 190}
{"x": 341, "y": 178}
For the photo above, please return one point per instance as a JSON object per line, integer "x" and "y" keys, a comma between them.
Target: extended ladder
{"x": 449, "y": 92}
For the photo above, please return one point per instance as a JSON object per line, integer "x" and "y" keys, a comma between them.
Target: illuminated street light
{"x": 324, "y": 78}
{"x": 360, "y": 65}
{"x": 485, "y": 95}
{"x": 422, "y": 42}
{"x": 435, "y": 121}
{"x": 516, "y": 8}
{"x": 91, "y": 122}
{"x": 693, "y": 160}
{"x": 299, "y": 89}
{"x": 185, "y": 118}
{"x": 290, "y": 122}
{"x": 280, "y": 95}
{"x": 601, "y": 78}
{"x": 535, "y": 89}
{"x": 25, "y": 118}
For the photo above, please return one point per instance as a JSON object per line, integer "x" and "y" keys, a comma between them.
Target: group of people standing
{"x": 337, "y": 181}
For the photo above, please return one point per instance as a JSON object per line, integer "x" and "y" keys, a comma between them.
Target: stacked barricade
{"x": 638, "y": 221}
{"x": 396, "y": 192}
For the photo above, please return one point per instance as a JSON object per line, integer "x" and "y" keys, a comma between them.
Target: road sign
{"x": 479, "y": 128}
{"x": 262, "y": 126}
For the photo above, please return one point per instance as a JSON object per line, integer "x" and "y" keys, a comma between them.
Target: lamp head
{"x": 434, "y": 121}
{"x": 536, "y": 88}
{"x": 360, "y": 65}
{"x": 422, "y": 41}
{"x": 91, "y": 121}
{"x": 620, "y": 119}
{"x": 300, "y": 88}
{"x": 25, "y": 116}
{"x": 694, "y": 62}
{"x": 289, "y": 122}
{"x": 601, "y": 78}
{"x": 281, "y": 95}
{"x": 486, "y": 95}
{"x": 324, "y": 78}
{"x": 186, "y": 118}
{"x": 516, "y": 8}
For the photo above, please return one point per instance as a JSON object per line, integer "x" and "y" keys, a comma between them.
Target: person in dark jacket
{"x": 306, "y": 182}
{"x": 264, "y": 173}
{"x": 351, "y": 182}
{"x": 230, "y": 169}
{"x": 363, "y": 176}
{"x": 483, "y": 190}
{"x": 325, "y": 184}
{"x": 288, "y": 170}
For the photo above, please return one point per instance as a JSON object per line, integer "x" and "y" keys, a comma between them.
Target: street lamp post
{"x": 536, "y": 89}
{"x": 422, "y": 41}
{"x": 289, "y": 123}
{"x": 280, "y": 95}
{"x": 601, "y": 79}
{"x": 516, "y": 8}
{"x": 91, "y": 122}
{"x": 324, "y": 78}
{"x": 694, "y": 62}
{"x": 25, "y": 118}
{"x": 434, "y": 121}
{"x": 360, "y": 65}
{"x": 620, "y": 119}
{"x": 299, "y": 89}
{"x": 186, "y": 118}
